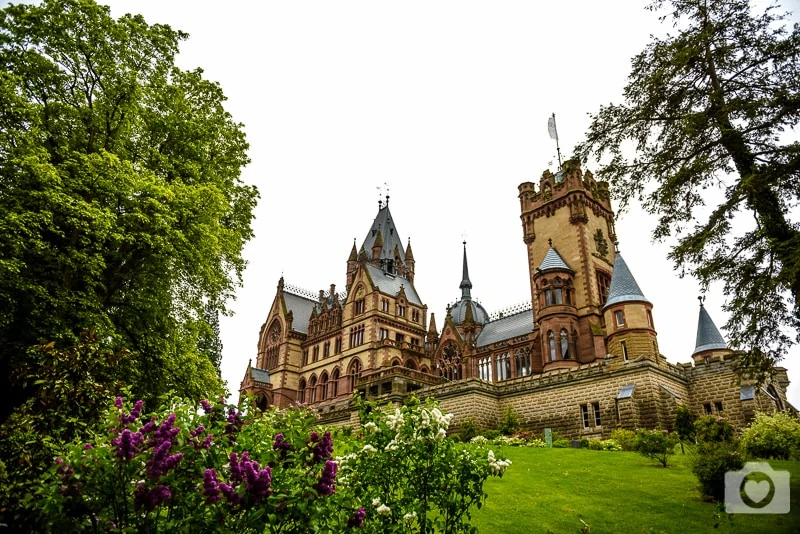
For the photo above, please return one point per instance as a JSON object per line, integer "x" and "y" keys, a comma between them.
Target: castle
{"x": 582, "y": 358}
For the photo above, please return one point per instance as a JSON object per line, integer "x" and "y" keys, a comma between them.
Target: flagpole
{"x": 554, "y": 135}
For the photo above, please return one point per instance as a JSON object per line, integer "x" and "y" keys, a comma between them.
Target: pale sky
{"x": 447, "y": 102}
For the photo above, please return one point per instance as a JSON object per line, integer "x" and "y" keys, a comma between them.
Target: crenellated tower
{"x": 570, "y": 214}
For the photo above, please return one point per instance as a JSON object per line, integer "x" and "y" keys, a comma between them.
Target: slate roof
{"x": 458, "y": 312}
{"x": 623, "y": 285}
{"x": 384, "y": 222}
{"x": 553, "y": 260}
{"x": 259, "y": 375}
{"x": 390, "y": 284}
{"x": 708, "y": 336}
{"x": 301, "y": 310}
{"x": 507, "y": 327}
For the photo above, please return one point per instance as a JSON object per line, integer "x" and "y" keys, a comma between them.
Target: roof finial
{"x": 550, "y": 241}
{"x": 386, "y": 184}
{"x": 380, "y": 198}
{"x": 616, "y": 246}
{"x": 702, "y": 299}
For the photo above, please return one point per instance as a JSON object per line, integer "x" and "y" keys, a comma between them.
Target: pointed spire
{"x": 623, "y": 285}
{"x": 409, "y": 254}
{"x": 469, "y": 317}
{"x": 708, "y": 336}
{"x": 466, "y": 285}
{"x": 353, "y": 252}
{"x": 432, "y": 327}
{"x": 362, "y": 255}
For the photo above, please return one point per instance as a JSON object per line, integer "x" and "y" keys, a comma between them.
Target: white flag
{"x": 551, "y": 127}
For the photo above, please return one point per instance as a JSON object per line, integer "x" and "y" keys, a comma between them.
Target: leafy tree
{"x": 706, "y": 108}
{"x": 684, "y": 424}
{"x": 656, "y": 445}
{"x": 121, "y": 206}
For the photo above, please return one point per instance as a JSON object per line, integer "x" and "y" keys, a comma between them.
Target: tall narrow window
{"x": 596, "y": 408}
{"x": 619, "y": 317}
{"x": 551, "y": 341}
{"x": 503, "y": 362}
{"x": 603, "y": 283}
{"x": 522, "y": 358}
{"x": 334, "y": 383}
{"x": 359, "y": 306}
{"x": 401, "y": 310}
{"x": 624, "y": 346}
{"x": 548, "y": 297}
{"x": 485, "y": 368}
{"x": 718, "y": 406}
{"x": 384, "y": 334}
{"x": 315, "y": 353}
{"x": 355, "y": 373}
{"x": 326, "y": 349}
{"x": 323, "y": 386}
{"x": 564, "y": 344}
{"x": 585, "y": 414}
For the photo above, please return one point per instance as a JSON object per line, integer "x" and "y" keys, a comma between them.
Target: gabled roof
{"x": 553, "y": 260}
{"x": 384, "y": 224}
{"x": 623, "y": 285}
{"x": 506, "y": 327}
{"x": 391, "y": 283}
{"x": 301, "y": 308}
{"x": 259, "y": 375}
{"x": 708, "y": 336}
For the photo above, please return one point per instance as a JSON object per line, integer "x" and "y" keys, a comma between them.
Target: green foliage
{"x": 713, "y": 429}
{"x": 772, "y": 436}
{"x": 181, "y": 470}
{"x": 656, "y": 445}
{"x": 561, "y": 443}
{"x": 71, "y": 388}
{"x": 717, "y": 452}
{"x": 604, "y": 445}
{"x": 121, "y": 205}
{"x": 705, "y": 109}
{"x": 410, "y": 477}
{"x": 625, "y": 438}
{"x": 684, "y": 423}
{"x": 510, "y": 423}
{"x": 468, "y": 430}
{"x": 710, "y": 463}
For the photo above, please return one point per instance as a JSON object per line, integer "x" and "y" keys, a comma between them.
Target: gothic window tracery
{"x": 564, "y": 344}
{"x": 273, "y": 345}
{"x": 551, "y": 342}
{"x": 450, "y": 361}
{"x": 522, "y": 360}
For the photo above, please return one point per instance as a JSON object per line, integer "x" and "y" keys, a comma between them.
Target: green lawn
{"x": 620, "y": 492}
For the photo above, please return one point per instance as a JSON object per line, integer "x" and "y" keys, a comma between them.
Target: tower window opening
{"x": 619, "y": 317}
{"x": 564, "y": 344}
{"x": 624, "y": 346}
{"x": 551, "y": 341}
{"x": 603, "y": 284}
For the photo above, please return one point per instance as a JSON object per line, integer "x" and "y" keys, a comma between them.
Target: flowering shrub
{"x": 772, "y": 436}
{"x": 184, "y": 469}
{"x": 409, "y": 476}
{"x": 604, "y": 445}
{"x": 625, "y": 438}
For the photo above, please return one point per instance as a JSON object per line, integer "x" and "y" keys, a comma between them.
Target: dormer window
{"x": 401, "y": 310}
{"x": 359, "y": 306}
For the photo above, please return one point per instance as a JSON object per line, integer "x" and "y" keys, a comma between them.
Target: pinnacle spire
{"x": 466, "y": 285}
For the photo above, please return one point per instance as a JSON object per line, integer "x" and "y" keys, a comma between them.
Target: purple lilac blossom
{"x": 324, "y": 448}
{"x": 118, "y": 403}
{"x": 211, "y": 486}
{"x": 134, "y": 415}
{"x": 327, "y": 482}
{"x": 127, "y": 444}
{"x": 357, "y": 521}
{"x": 207, "y": 408}
{"x": 149, "y": 498}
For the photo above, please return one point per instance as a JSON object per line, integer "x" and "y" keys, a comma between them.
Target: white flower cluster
{"x": 498, "y": 466}
{"x": 479, "y": 440}
{"x": 395, "y": 420}
{"x": 369, "y": 449}
{"x": 410, "y": 517}
{"x": 371, "y": 428}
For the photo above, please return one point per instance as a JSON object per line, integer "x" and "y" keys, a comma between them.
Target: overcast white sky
{"x": 447, "y": 101}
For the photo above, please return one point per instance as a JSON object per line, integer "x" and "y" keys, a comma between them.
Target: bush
{"x": 656, "y": 445}
{"x": 684, "y": 423}
{"x": 625, "y": 438}
{"x": 561, "y": 443}
{"x": 713, "y": 429}
{"x": 468, "y": 430}
{"x": 772, "y": 436}
{"x": 604, "y": 445}
{"x": 510, "y": 423}
{"x": 710, "y": 463}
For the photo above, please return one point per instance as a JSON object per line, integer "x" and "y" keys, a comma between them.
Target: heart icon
{"x": 757, "y": 491}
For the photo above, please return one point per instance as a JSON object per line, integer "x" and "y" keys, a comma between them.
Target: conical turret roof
{"x": 708, "y": 336}
{"x": 623, "y": 285}
{"x": 384, "y": 232}
{"x": 553, "y": 260}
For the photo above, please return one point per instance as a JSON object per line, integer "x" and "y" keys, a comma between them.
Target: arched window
{"x": 312, "y": 390}
{"x": 411, "y": 365}
{"x": 301, "y": 391}
{"x": 551, "y": 341}
{"x": 395, "y": 363}
{"x": 261, "y": 402}
{"x": 354, "y": 372}
{"x": 335, "y": 383}
{"x": 558, "y": 292}
{"x": 323, "y": 386}
{"x": 522, "y": 357}
{"x": 564, "y": 344}
{"x": 424, "y": 369}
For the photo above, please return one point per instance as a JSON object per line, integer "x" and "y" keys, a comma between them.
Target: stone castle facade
{"x": 582, "y": 358}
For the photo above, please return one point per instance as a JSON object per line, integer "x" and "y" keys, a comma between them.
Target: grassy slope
{"x": 619, "y": 492}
